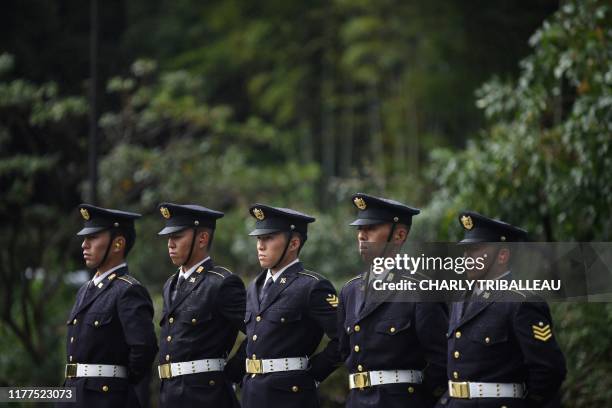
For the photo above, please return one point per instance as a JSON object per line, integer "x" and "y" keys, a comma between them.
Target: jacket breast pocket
{"x": 280, "y": 316}
{"x": 195, "y": 317}
{"x": 98, "y": 320}
{"x": 393, "y": 327}
{"x": 489, "y": 335}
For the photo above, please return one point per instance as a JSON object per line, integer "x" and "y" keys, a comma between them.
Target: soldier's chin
{"x": 365, "y": 255}
{"x": 474, "y": 274}
{"x": 90, "y": 263}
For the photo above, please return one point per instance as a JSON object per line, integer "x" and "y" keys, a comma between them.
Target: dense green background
{"x": 503, "y": 107}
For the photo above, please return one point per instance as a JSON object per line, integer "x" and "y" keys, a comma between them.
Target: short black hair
{"x": 211, "y": 235}
{"x": 303, "y": 237}
{"x": 130, "y": 238}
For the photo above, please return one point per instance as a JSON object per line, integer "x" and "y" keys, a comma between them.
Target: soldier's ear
{"x": 503, "y": 256}
{"x": 294, "y": 243}
{"x": 401, "y": 233}
{"x": 203, "y": 238}
{"x": 118, "y": 244}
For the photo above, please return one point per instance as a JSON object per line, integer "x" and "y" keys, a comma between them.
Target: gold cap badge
{"x": 360, "y": 203}
{"x": 258, "y": 213}
{"x": 467, "y": 222}
{"x": 85, "y": 214}
{"x": 165, "y": 212}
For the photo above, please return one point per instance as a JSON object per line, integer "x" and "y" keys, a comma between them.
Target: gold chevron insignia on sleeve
{"x": 332, "y": 300}
{"x": 541, "y": 332}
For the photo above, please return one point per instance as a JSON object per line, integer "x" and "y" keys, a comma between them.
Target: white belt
{"x": 95, "y": 370}
{"x": 190, "y": 367}
{"x": 485, "y": 390}
{"x": 276, "y": 364}
{"x": 372, "y": 378}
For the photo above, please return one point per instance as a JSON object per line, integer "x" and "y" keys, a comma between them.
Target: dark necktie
{"x": 91, "y": 288}
{"x": 470, "y": 298}
{"x": 177, "y": 288}
{"x": 264, "y": 291}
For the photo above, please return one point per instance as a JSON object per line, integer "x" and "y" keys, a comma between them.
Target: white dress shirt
{"x": 99, "y": 278}
{"x": 279, "y": 273}
{"x": 191, "y": 270}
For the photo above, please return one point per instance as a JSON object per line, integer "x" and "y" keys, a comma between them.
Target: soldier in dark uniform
{"x": 111, "y": 342}
{"x": 395, "y": 351}
{"x": 501, "y": 348}
{"x": 288, "y": 311}
{"x": 203, "y": 310}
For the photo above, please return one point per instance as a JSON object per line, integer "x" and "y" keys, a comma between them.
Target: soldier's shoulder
{"x": 312, "y": 276}
{"x": 169, "y": 280}
{"x": 220, "y": 272}
{"x": 126, "y": 280}
{"x": 415, "y": 277}
{"x": 351, "y": 282}
{"x": 522, "y": 295}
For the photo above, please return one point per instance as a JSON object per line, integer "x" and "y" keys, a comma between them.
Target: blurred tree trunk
{"x": 348, "y": 121}
{"x": 328, "y": 123}
{"x": 377, "y": 157}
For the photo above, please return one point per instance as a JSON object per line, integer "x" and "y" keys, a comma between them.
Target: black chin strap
{"x": 494, "y": 260}
{"x": 288, "y": 235}
{"x": 391, "y": 232}
{"x": 195, "y": 231}
{"x": 113, "y": 234}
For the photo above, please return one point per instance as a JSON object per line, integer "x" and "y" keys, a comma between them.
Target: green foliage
{"x": 544, "y": 163}
{"x": 36, "y": 125}
{"x": 301, "y": 104}
{"x": 171, "y": 145}
{"x": 584, "y": 332}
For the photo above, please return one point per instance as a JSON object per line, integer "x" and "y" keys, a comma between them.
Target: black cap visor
{"x": 173, "y": 229}
{"x": 91, "y": 230}
{"x": 367, "y": 221}
{"x": 265, "y": 231}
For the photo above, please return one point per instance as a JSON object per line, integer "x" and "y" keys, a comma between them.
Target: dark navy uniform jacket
{"x": 383, "y": 335}
{"x": 506, "y": 339}
{"x": 112, "y": 324}
{"x": 201, "y": 323}
{"x": 298, "y": 309}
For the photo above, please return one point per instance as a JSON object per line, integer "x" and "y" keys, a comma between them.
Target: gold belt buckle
{"x": 71, "y": 370}
{"x": 165, "y": 371}
{"x": 460, "y": 389}
{"x": 360, "y": 380}
{"x": 253, "y": 366}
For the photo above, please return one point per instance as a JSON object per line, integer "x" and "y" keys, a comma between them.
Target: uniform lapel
{"x": 252, "y": 298}
{"x": 282, "y": 283}
{"x": 359, "y": 304}
{"x": 194, "y": 280}
{"x": 371, "y": 305}
{"x": 166, "y": 295}
{"x": 474, "y": 308}
{"x": 79, "y": 300}
{"x": 97, "y": 291}
{"x": 455, "y": 315}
